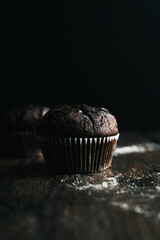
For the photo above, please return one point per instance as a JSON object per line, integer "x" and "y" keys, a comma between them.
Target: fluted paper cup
{"x": 78, "y": 155}
{"x": 18, "y": 144}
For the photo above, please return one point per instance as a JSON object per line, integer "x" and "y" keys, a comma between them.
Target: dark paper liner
{"x": 78, "y": 155}
{"x": 18, "y": 144}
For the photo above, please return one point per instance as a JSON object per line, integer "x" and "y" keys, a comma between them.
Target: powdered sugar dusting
{"x": 139, "y": 148}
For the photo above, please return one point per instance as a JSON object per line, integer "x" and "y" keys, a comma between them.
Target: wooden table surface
{"x": 121, "y": 203}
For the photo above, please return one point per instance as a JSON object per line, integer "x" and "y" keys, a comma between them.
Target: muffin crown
{"x": 22, "y": 118}
{"x": 78, "y": 121}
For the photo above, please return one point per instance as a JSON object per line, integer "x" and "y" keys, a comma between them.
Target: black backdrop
{"x": 97, "y": 52}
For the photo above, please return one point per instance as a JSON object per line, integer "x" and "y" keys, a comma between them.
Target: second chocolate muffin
{"x": 18, "y": 131}
{"x": 78, "y": 139}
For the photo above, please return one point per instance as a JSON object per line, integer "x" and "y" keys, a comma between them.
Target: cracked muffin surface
{"x": 78, "y": 121}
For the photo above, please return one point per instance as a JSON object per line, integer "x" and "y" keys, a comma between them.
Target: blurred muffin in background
{"x": 18, "y": 131}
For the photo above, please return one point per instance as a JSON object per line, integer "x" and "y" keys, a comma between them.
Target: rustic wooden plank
{"x": 120, "y": 203}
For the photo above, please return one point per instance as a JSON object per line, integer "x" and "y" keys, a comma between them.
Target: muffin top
{"x": 78, "y": 121}
{"x": 24, "y": 118}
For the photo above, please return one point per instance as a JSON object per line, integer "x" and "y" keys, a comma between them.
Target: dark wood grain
{"x": 122, "y": 202}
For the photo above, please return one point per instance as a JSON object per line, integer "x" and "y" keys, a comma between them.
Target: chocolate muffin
{"x": 78, "y": 139}
{"x": 18, "y": 131}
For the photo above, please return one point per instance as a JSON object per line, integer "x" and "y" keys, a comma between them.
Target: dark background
{"x": 97, "y": 52}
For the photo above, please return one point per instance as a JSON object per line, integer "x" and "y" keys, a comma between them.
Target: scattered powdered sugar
{"x": 127, "y": 193}
{"x": 105, "y": 184}
{"x": 143, "y": 210}
{"x": 81, "y": 185}
{"x": 133, "y": 192}
{"x": 139, "y": 148}
{"x": 158, "y": 188}
{"x": 112, "y": 182}
{"x": 109, "y": 184}
{"x": 121, "y": 205}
